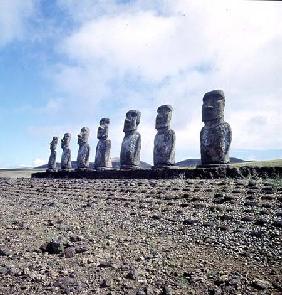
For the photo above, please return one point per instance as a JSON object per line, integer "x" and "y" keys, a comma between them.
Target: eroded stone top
{"x": 131, "y": 121}
{"x": 53, "y": 143}
{"x": 103, "y": 128}
{"x": 83, "y": 135}
{"x": 213, "y": 106}
{"x": 163, "y": 117}
{"x": 66, "y": 140}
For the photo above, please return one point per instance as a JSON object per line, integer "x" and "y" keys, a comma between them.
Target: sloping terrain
{"x": 140, "y": 236}
{"x": 196, "y": 162}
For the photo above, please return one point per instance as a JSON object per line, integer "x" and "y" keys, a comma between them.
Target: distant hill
{"x": 115, "y": 163}
{"x": 195, "y": 162}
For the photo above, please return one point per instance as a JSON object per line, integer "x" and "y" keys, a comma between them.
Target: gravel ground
{"x": 140, "y": 236}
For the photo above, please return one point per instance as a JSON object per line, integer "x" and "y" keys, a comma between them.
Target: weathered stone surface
{"x": 202, "y": 173}
{"x": 103, "y": 149}
{"x": 53, "y": 155}
{"x": 164, "y": 144}
{"x": 66, "y": 155}
{"x": 216, "y": 135}
{"x": 84, "y": 149}
{"x": 131, "y": 144}
{"x": 122, "y": 234}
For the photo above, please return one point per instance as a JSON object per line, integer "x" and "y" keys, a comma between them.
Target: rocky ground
{"x": 140, "y": 236}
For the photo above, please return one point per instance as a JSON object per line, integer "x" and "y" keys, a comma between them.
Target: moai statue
{"x": 164, "y": 144}
{"x": 53, "y": 155}
{"x": 131, "y": 144}
{"x": 84, "y": 149}
{"x": 103, "y": 150}
{"x": 216, "y": 135}
{"x": 66, "y": 155}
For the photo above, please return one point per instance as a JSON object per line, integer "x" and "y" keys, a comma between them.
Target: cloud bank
{"x": 13, "y": 17}
{"x": 137, "y": 56}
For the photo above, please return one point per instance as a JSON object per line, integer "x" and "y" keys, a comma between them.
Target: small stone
{"x": 132, "y": 275}
{"x": 189, "y": 221}
{"x": 256, "y": 233}
{"x": 166, "y": 290}
{"x": 260, "y": 221}
{"x": 105, "y": 264}
{"x": 53, "y": 247}
{"x": 261, "y": 284}
{"x": 69, "y": 252}
{"x": 277, "y": 223}
{"x": 81, "y": 248}
{"x": 247, "y": 218}
{"x": 3, "y": 270}
{"x": 105, "y": 283}
{"x": 5, "y": 252}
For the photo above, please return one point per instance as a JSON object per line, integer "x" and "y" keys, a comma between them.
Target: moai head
{"x": 103, "y": 128}
{"x": 131, "y": 121}
{"x": 53, "y": 143}
{"x": 83, "y": 136}
{"x": 163, "y": 117}
{"x": 66, "y": 140}
{"x": 213, "y": 106}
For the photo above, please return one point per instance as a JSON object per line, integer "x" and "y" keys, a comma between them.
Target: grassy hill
{"x": 196, "y": 162}
{"x": 270, "y": 163}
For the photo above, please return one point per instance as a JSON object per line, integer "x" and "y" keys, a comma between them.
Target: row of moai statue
{"x": 215, "y": 140}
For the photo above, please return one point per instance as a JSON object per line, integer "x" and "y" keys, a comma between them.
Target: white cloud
{"x": 142, "y": 55}
{"x": 38, "y": 162}
{"x": 13, "y": 15}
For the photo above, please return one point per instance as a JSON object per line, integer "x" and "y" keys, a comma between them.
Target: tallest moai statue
{"x": 216, "y": 135}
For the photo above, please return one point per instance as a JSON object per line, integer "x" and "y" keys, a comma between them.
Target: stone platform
{"x": 203, "y": 173}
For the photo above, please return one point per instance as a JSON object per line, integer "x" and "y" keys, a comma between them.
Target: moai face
{"x": 131, "y": 121}
{"x": 54, "y": 143}
{"x": 213, "y": 106}
{"x": 103, "y": 128}
{"x": 66, "y": 140}
{"x": 163, "y": 117}
{"x": 83, "y": 136}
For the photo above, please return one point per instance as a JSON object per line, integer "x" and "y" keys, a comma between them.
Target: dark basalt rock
{"x": 66, "y": 155}
{"x": 164, "y": 143}
{"x": 103, "y": 149}
{"x": 131, "y": 144}
{"x": 216, "y": 135}
{"x": 204, "y": 173}
{"x": 53, "y": 155}
{"x": 84, "y": 149}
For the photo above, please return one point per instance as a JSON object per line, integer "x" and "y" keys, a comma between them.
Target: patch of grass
{"x": 18, "y": 173}
{"x": 271, "y": 163}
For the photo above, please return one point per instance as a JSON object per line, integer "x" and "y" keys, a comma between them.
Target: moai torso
{"x": 131, "y": 144}
{"x": 164, "y": 143}
{"x": 66, "y": 155}
{"x": 84, "y": 149}
{"x": 53, "y": 155}
{"x": 103, "y": 149}
{"x": 216, "y": 135}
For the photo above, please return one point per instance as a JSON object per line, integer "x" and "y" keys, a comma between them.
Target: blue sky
{"x": 65, "y": 64}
